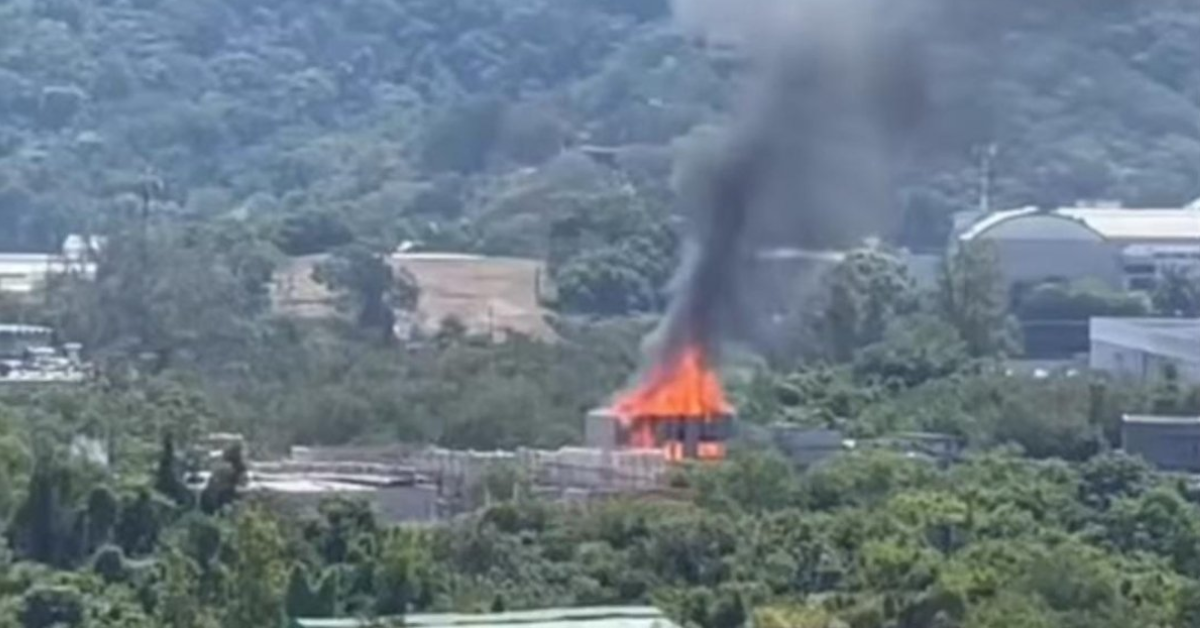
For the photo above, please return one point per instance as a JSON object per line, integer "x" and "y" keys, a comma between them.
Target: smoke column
{"x": 834, "y": 87}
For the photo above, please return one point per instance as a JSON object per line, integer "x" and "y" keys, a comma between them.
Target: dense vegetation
{"x": 1041, "y": 520}
{"x": 209, "y": 140}
{"x": 871, "y": 540}
{"x": 466, "y": 124}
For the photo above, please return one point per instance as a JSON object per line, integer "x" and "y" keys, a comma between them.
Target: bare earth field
{"x": 488, "y": 294}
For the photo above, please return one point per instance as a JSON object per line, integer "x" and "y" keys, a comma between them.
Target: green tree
{"x": 168, "y": 478}
{"x": 1188, "y": 611}
{"x": 403, "y": 572}
{"x": 46, "y": 606}
{"x": 1056, "y": 301}
{"x": 602, "y": 282}
{"x": 372, "y": 285}
{"x": 867, "y": 290}
{"x": 160, "y": 293}
{"x": 258, "y": 573}
{"x": 913, "y": 350}
{"x": 100, "y": 516}
{"x": 749, "y": 483}
{"x": 304, "y": 597}
{"x": 1010, "y": 610}
{"x": 973, "y": 297}
{"x": 313, "y": 232}
{"x": 41, "y": 527}
{"x": 222, "y": 487}
{"x": 462, "y": 137}
{"x": 109, "y": 563}
{"x": 179, "y": 593}
{"x": 610, "y": 254}
{"x": 1177, "y": 294}
{"x": 141, "y": 522}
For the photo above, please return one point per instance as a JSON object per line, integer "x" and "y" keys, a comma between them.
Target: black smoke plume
{"x": 835, "y": 87}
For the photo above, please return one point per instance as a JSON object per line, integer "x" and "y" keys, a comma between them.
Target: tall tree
{"x": 972, "y": 296}
{"x": 258, "y": 573}
{"x": 178, "y": 592}
{"x": 41, "y": 529}
{"x": 373, "y": 287}
{"x": 867, "y": 290}
{"x": 222, "y": 487}
{"x": 168, "y": 477}
{"x": 1178, "y": 294}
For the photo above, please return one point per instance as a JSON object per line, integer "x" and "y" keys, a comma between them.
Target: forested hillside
{"x": 210, "y": 140}
{"x": 461, "y": 123}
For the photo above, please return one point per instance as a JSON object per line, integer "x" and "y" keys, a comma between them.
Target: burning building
{"x": 679, "y": 408}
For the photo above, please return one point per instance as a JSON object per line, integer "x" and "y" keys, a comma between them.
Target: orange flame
{"x": 684, "y": 389}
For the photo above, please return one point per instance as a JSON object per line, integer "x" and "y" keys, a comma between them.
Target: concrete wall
{"x": 601, "y": 429}
{"x": 806, "y": 446}
{"x": 1169, "y": 447}
{"x": 1134, "y": 364}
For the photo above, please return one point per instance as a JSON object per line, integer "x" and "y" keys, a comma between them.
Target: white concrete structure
{"x": 28, "y": 355}
{"x": 22, "y": 273}
{"x": 1124, "y": 248}
{"x": 395, "y": 493}
{"x": 1145, "y": 349}
{"x": 579, "y": 617}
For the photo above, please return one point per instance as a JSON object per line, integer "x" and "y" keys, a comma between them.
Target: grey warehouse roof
{"x": 1115, "y": 224}
{"x": 594, "y": 617}
{"x": 1177, "y": 338}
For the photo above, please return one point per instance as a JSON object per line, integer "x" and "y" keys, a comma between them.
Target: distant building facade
{"x": 807, "y": 446}
{"x": 1145, "y": 349}
{"x": 1121, "y": 247}
{"x": 579, "y": 617}
{"x": 1169, "y": 443}
{"x": 23, "y": 273}
{"x": 29, "y": 354}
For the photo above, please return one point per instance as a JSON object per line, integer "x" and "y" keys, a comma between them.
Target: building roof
{"x": 1177, "y": 338}
{"x": 22, "y": 272}
{"x": 594, "y": 617}
{"x": 10, "y": 329}
{"x": 1142, "y": 419}
{"x": 1139, "y": 224}
{"x": 305, "y": 485}
{"x": 1114, "y": 224}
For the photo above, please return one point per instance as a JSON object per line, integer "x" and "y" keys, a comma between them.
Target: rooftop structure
{"x": 1169, "y": 443}
{"x": 808, "y": 446}
{"x": 594, "y": 617}
{"x": 28, "y": 354}
{"x": 22, "y": 273}
{"x": 1146, "y": 348}
{"x": 395, "y": 493}
{"x": 405, "y": 484}
{"x": 1122, "y": 247}
{"x": 1114, "y": 224}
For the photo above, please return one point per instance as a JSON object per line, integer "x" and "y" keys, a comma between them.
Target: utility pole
{"x": 987, "y": 157}
{"x": 151, "y": 186}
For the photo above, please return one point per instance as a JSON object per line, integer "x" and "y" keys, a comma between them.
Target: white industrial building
{"x": 1122, "y": 247}
{"x": 22, "y": 273}
{"x": 1145, "y": 349}
{"x": 579, "y": 617}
